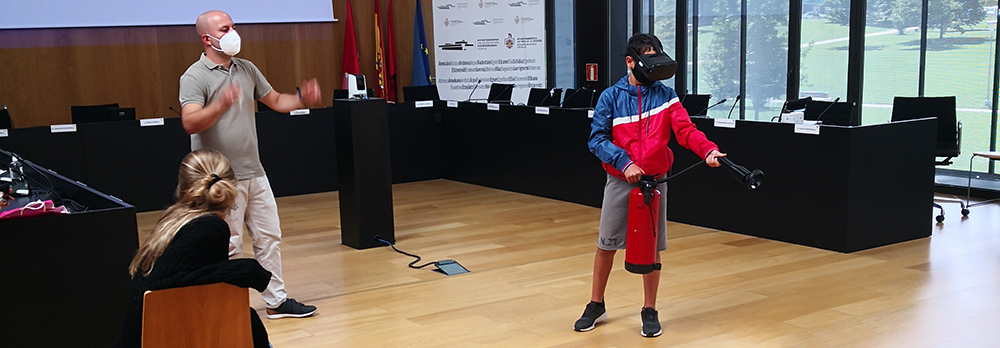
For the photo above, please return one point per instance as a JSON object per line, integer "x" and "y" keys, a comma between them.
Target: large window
{"x": 823, "y": 69}
{"x": 718, "y": 51}
{"x": 892, "y": 56}
{"x": 767, "y": 58}
{"x": 960, "y": 56}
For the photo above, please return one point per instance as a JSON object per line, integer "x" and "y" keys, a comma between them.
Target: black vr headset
{"x": 650, "y": 68}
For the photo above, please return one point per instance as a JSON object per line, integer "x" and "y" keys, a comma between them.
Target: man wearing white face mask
{"x": 217, "y": 95}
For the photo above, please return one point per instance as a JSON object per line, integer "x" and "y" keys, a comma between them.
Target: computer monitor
{"x": 544, "y": 97}
{"x": 420, "y": 93}
{"x": 579, "y": 99}
{"x": 500, "y": 93}
{"x": 839, "y": 114}
{"x": 696, "y": 104}
{"x": 101, "y": 113}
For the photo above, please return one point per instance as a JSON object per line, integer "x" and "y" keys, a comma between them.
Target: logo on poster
{"x": 509, "y": 41}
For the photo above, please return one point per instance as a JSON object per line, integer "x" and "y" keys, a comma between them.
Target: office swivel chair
{"x": 101, "y": 113}
{"x": 5, "y": 122}
{"x": 696, "y": 104}
{"x": 582, "y": 98}
{"x": 420, "y": 93}
{"x": 949, "y": 130}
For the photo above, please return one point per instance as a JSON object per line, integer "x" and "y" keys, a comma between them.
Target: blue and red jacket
{"x": 633, "y": 125}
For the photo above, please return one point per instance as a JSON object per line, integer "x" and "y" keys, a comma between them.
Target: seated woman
{"x": 190, "y": 244}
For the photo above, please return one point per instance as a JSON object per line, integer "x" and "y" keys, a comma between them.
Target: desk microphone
{"x": 474, "y": 90}
{"x": 818, "y": 118}
{"x": 505, "y": 88}
{"x": 738, "y": 96}
{"x": 712, "y": 106}
{"x": 685, "y": 96}
{"x": 174, "y": 110}
{"x": 572, "y": 94}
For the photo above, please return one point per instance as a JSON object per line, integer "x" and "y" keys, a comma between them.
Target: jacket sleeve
{"x": 688, "y": 134}
{"x": 600, "y": 142}
{"x": 244, "y": 273}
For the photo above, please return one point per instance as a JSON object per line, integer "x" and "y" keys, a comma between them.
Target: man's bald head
{"x": 209, "y": 22}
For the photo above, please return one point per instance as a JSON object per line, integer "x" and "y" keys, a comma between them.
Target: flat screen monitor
{"x": 419, "y": 93}
{"x": 544, "y": 97}
{"x": 500, "y": 93}
{"x": 696, "y": 104}
{"x": 839, "y": 114}
{"x": 578, "y": 99}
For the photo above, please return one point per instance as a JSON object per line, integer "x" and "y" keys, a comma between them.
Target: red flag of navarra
{"x": 379, "y": 58}
{"x": 350, "y": 64}
{"x": 390, "y": 58}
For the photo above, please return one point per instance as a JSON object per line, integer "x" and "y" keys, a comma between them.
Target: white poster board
{"x": 481, "y": 42}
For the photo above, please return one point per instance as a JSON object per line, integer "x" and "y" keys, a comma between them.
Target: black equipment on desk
{"x": 420, "y": 93}
{"x": 101, "y": 113}
{"x": 832, "y": 113}
{"x": 500, "y": 93}
{"x": 582, "y": 98}
{"x": 694, "y": 102}
{"x": 544, "y": 97}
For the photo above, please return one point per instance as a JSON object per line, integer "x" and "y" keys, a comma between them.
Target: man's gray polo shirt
{"x": 234, "y": 134}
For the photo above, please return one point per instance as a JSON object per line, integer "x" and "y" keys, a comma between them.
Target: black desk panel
{"x": 298, "y": 152}
{"x": 518, "y": 150}
{"x": 415, "y": 142}
{"x": 846, "y": 189}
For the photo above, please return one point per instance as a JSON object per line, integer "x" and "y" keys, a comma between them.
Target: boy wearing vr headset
{"x": 633, "y": 122}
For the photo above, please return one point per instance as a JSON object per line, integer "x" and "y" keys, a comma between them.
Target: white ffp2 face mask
{"x": 229, "y": 43}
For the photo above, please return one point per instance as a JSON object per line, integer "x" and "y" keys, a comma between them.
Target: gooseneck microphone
{"x": 174, "y": 110}
{"x": 738, "y": 96}
{"x": 702, "y": 112}
{"x": 820, "y": 117}
{"x": 474, "y": 90}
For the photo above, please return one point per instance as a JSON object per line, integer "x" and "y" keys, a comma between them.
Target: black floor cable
{"x": 405, "y": 253}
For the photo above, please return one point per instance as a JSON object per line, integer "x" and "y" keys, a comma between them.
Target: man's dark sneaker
{"x": 650, "y": 323}
{"x": 592, "y": 315}
{"x": 291, "y": 309}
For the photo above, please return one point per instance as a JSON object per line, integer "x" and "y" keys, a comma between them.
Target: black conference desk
{"x": 846, "y": 189}
{"x": 139, "y": 164}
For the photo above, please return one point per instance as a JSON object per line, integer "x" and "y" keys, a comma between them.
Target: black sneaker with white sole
{"x": 291, "y": 309}
{"x": 650, "y": 323}
{"x": 594, "y": 314}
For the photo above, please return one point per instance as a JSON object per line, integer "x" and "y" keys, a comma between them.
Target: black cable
{"x": 405, "y": 253}
{"x": 680, "y": 172}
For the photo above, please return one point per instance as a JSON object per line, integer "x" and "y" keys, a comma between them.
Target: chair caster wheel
{"x": 940, "y": 218}
{"x": 965, "y": 212}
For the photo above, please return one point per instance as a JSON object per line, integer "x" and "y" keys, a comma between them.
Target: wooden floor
{"x": 531, "y": 261}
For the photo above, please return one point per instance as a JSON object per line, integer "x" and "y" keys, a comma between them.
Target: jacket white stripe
{"x": 636, "y": 118}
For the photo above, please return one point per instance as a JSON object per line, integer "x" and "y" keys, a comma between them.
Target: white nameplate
{"x": 3, "y": 133}
{"x": 150, "y": 122}
{"x": 541, "y": 110}
{"x": 425, "y": 104}
{"x": 299, "y": 112}
{"x": 493, "y": 107}
{"x": 62, "y": 128}
{"x": 590, "y": 113}
{"x": 452, "y": 104}
{"x": 725, "y": 123}
{"x": 807, "y": 129}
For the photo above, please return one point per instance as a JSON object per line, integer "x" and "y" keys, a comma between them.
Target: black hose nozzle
{"x": 752, "y": 180}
